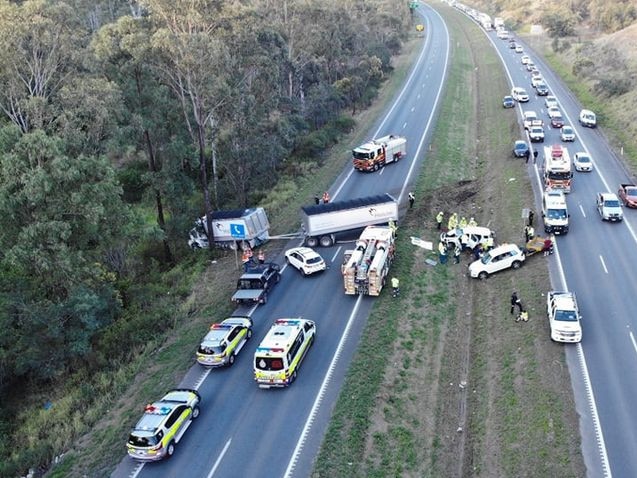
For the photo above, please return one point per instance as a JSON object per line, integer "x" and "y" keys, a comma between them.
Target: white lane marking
{"x": 404, "y": 125}
{"x": 601, "y": 444}
{"x": 338, "y": 251}
{"x": 202, "y": 378}
{"x": 632, "y": 339}
{"x": 137, "y": 470}
{"x": 599, "y": 435}
{"x": 418, "y": 96}
{"x": 601, "y": 259}
{"x": 393, "y": 107}
{"x": 319, "y": 397}
{"x": 216, "y": 465}
{"x": 582, "y": 210}
{"x": 413, "y": 108}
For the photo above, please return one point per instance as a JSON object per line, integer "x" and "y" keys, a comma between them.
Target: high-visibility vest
{"x": 439, "y": 217}
{"x": 395, "y": 282}
{"x": 442, "y": 249}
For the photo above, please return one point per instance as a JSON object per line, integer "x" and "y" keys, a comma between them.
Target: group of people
{"x": 453, "y": 222}
{"x": 247, "y": 258}
{"x": 324, "y": 199}
{"x": 444, "y": 250}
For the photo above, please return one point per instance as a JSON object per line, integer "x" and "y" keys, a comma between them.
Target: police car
{"x": 224, "y": 341}
{"x": 163, "y": 424}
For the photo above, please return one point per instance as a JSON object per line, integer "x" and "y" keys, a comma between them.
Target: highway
{"x": 594, "y": 260}
{"x": 244, "y": 431}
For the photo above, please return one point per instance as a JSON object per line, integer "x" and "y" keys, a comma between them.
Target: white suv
{"x": 609, "y": 207}
{"x": 502, "y": 257}
{"x": 305, "y": 260}
{"x": 520, "y": 94}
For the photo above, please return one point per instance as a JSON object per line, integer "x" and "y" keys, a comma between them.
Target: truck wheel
{"x": 516, "y": 265}
{"x": 231, "y": 360}
{"x": 311, "y": 242}
{"x": 249, "y": 334}
{"x": 195, "y": 412}
{"x": 326, "y": 241}
{"x": 375, "y": 166}
{"x": 483, "y": 275}
{"x": 277, "y": 278}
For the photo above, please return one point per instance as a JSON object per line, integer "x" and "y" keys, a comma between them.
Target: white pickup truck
{"x": 564, "y": 317}
{"x": 531, "y": 119}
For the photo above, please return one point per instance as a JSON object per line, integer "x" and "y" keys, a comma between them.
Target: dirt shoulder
{"x": 466, "y": 391}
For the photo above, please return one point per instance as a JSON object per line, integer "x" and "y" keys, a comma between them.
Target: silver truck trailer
{"x": 324, "y": 224}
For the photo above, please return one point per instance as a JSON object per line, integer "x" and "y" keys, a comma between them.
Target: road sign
{"x": 238, "y": 231}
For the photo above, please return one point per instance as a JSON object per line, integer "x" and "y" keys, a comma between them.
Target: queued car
{"x": 536, "y": 80}
{"x": 587, "y": 118}
{"x": 536, "y": 134}
{"x": 541, "y": 89}
{"x": 552, "y": 111}
{"x": 499, "y": 258}
{"x": 628, "y": 194}
{"x": 305, "y": 260}
{"x": 525, "y": 59}
{"x": 535, "y": 73}
{"x": 512, "y": 44}
{"x": 519, "y": 94}
{"x": 224, "y": 341}
{"x": 567, "y": 134}
{"x": 519, "y": 49}
{"x": 550, "y": 100}
{"x": 557, "y": 121}
{"x": 520, "y": 149}
{"x": 163, "y": 424}
{"x": 508, "y": 102}
{"x": 609, "y": 207}
{"x": 529, "y": 65}
{"x": 582, "y": 161}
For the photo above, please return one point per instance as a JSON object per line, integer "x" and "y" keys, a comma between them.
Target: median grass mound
{"x": 445, "y": 382}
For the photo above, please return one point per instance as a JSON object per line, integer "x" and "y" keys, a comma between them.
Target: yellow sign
{"x": 420, "y": 28}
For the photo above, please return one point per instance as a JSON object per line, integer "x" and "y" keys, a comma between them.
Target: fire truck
{"x": 366, "y": 267}
{"x": 376, "y": 153}
{"x": 557, "y": 168}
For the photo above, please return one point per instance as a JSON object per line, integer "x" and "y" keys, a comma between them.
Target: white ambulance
{"x": 279, "y": 356}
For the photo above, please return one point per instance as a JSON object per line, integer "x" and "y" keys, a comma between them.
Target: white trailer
{"x": 324, "y": 224}
{"x": 232, "y": 228}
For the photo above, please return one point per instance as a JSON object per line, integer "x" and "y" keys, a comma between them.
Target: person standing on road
{"x": 456, "y": 255}
{"x": 515, "y": 302}
{"x": 439, "y": 217}
{"x": 534, "y": 156}
{"x": 326, "y": 197}
{"x": 412, "y": 198}
{"x": 531, "y": 217}
{"x": 527, "y": 155}
{"x": 317, "y": 201}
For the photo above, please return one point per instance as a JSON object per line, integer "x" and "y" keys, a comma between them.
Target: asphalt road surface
{"x": 244, "y": 431}
{"x": 594, "y": 260}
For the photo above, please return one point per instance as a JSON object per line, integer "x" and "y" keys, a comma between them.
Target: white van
{"x": 279, "y": 356}
{"x": 587, "y": 118}
{"x": 554, "y": 212}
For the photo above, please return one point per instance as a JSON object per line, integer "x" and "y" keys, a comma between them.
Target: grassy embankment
{"x": 401, "y": 407}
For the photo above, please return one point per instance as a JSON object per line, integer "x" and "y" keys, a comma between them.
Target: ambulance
{"x": 279, "y": 356}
